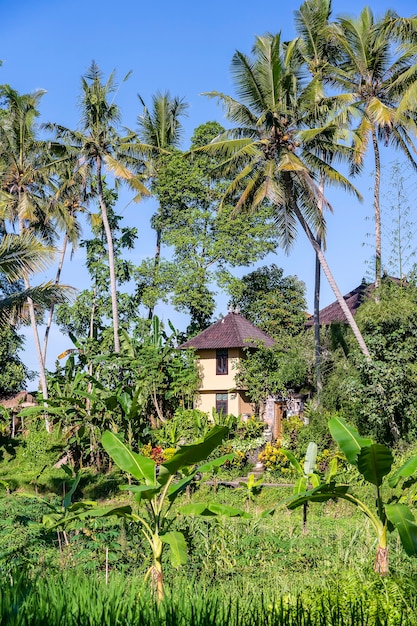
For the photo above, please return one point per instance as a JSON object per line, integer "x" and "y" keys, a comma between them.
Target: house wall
{"x": 210, "y": 381}
{"x": 212, "y": 384}
{"x": 237, "y": 404}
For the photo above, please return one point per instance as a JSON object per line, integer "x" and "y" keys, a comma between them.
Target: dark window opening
{"x": 221, "y": 403}
{"x": 222, "y": 362}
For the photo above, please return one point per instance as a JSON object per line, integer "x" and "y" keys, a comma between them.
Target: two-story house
{"x": 219, "y": 349}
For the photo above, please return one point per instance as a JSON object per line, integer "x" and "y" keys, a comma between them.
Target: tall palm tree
{"x": 379, "y": 81}
{"x": 273, "y": 149}
{"x": 159, "y": 130}
{"x": 26, "y": 174}
{"x": 21, "y": 255}
{"x": 318, "y": 52}
{"x": 99, "y": 145}
{"x": 67, "y": 203}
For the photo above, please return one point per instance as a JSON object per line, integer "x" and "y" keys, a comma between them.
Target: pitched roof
{"x": 333, "y": 312}
{"x": 232, "y": 331}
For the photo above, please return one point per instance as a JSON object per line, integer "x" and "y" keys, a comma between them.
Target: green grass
{"x": 69, "y": 600}
{"x": 263, "y": 570}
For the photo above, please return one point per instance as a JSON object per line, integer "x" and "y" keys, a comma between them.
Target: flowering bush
{"x": 274, "y": 459}
{"x": 251, "y": 428}
{"x": 238, "y": 462}
{"x": 157, "y": 454}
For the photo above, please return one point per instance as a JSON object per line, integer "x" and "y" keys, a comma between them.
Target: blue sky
{"x": 185, "y": 47}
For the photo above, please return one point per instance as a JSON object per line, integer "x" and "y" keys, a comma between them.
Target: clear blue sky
{"x": 185, "y": 47}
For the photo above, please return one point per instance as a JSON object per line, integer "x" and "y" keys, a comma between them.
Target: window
{"x": 222, "y": 362}
{"x": 221, "y": 403}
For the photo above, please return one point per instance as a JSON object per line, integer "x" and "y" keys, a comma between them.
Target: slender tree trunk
{"x": 339, "y": 297}
{"x": 157, "y": 259}
{"x": 317, "y": 284}
{"x": 34, "y": 326}
{"x": 110, "y": 253}
{"x": 317, "y": 342}
{"x": 51, "y": 310}
{"x": 377, "y": 210}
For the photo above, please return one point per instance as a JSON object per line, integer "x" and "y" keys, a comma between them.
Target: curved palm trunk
{"x": 377, "y": 209}
{"x": 110, "y": 253}
{"x": 51, "y": 310}
{"x": 339, "y": 297}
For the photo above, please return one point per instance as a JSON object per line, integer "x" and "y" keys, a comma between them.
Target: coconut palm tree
{"x": 99, "y": 145}
{"x": 272, "y": 152}
{"x": 379, "y": 82}
{"x": 21, "y": 255}
{"x": 26, "y": 173}
{"x": 66, "y": 205}
{"x": 318, "y": 53}
{"x": 159, "y": 131}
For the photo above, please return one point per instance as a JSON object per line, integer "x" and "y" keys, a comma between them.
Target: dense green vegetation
{"x": 119, "y": 501}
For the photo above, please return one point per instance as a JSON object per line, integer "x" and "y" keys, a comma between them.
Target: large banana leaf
{"x": 293, "y": 460}
{"x": 178, "y": 547}
{"x": 142, "y": 491}
{"x": 199, "y": 508}
{"x": 140, "y": 467}
{"x": 348, "y": 438}
{"x": 310, "y": 458}
{"x": 319, "y": 494}
{"x": 193, "y": 453}
{"x": 402, "y": 518}
{"x": 374, "y": 462}
{"x": 300, "y": 485}
{"x": 405, "y": 471}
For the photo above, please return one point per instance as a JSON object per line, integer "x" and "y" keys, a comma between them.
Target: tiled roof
{"x": 232, "y": 331}
{"x": 333, "y": 312}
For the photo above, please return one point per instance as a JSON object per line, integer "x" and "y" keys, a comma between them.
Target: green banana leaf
{"x": 374, "y": 462}
{"x": 206, "y": 467}
{"x": 310, "y": 458}
{"x": 292, "y": 459}
{"x": 140, "y": 467}
{"x": 348, "y": 438}
{"x": 142, "y": 491}
{"x": 175, "y": 488}
{"x": 318, "y": 494}
{"x": 405, "y": 471}
{"x": 300, "y": 485}
{"x": 193, "y": 453}
{"x": 402, "y": 518}
{"x": 178, "y": 547}
{"x": 199, "y": 508}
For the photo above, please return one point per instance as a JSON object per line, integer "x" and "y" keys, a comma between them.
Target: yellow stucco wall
{"x": 212, "y": 383}
{"x": 209, "y": 379}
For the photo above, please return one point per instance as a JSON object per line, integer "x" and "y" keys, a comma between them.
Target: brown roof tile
{"x": 333, "y": 312}
{"x": 232, "y": 331}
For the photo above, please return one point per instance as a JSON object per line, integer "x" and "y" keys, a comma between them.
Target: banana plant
{"x": 306, "y": 475}
{"x": 155, "y": 491}
{"x": 374, "y": 462}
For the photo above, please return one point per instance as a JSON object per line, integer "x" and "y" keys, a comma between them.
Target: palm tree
{"x": 159, "y": 131}
{"x": 66, "y": 205}
{"x": 21, "y": 255}
{"x": 98, "y": 146}
{"x": 273, "y": 152}
{"x": 317, "y": 50}
{"x": 26, "y": 174}
{"x": 380, "y": 86}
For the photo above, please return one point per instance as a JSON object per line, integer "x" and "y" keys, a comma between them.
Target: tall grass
{"x": 71, "y": 600}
